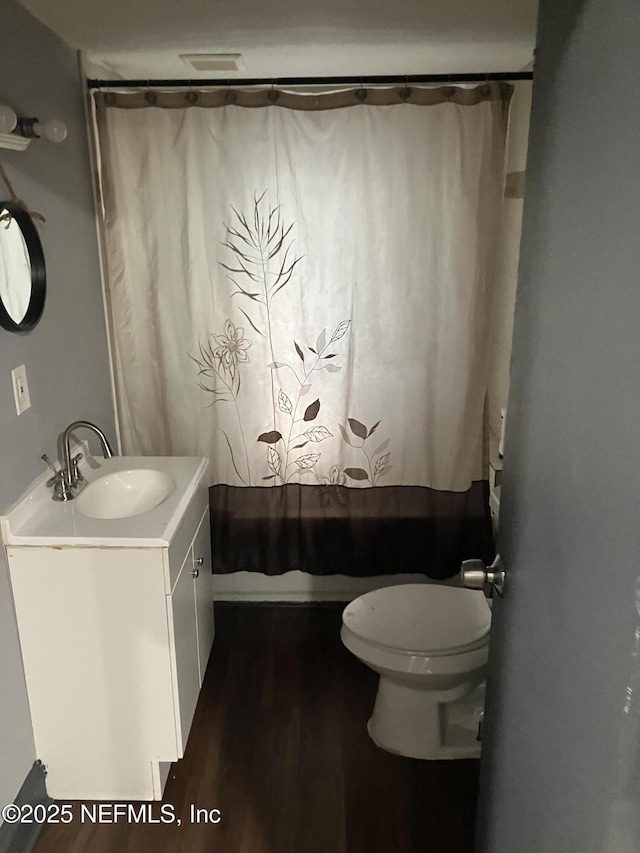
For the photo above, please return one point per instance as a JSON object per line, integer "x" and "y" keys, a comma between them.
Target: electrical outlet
{"x": 20, "y": 389}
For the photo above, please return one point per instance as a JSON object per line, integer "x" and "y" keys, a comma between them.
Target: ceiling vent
{"x": 213, "y": 61}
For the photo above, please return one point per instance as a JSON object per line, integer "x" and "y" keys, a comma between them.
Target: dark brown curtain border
{"x": 269, "y": 97}
{"x": 326, "y": 530}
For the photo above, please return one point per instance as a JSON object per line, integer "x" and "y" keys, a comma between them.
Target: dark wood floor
{"x": 279, "y": 745}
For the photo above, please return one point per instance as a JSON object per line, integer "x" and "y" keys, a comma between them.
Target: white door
{"x": 561, "y": 747}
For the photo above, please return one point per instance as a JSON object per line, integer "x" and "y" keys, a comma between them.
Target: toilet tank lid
{"x": 419, "y": 617}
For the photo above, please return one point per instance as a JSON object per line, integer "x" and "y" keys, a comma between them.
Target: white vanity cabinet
{"x": 115, "y": 642}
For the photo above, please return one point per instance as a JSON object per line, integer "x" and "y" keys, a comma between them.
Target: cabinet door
{"x": 186, "y": 648}
{"x": 203, "y": 593}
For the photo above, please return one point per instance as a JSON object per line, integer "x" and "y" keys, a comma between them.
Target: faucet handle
{"x": 76, "y": 473}
{"x": 53, "y": 481}
{"x": 61, "y": 489}
{"x": 46, "y": 459}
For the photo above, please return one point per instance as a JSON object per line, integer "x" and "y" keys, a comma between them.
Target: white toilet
{"x": 430, "y": 645}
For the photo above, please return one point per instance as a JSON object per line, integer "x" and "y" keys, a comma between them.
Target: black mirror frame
{"x": 38, "y": 272}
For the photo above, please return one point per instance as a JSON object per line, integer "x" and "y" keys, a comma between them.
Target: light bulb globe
{"x": 8, "y": 119}
{"x": 55, "y": 130}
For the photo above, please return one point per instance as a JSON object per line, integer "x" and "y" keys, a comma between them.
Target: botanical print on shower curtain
{"x": 263, "y": 263}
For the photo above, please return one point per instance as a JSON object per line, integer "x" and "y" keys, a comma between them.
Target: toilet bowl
{"x": 429, "y": 644}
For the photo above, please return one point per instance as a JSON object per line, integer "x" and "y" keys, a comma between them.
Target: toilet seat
{"x": 420, "y": 620}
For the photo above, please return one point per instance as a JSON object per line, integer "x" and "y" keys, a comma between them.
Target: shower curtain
{"x": 302, "y": 295}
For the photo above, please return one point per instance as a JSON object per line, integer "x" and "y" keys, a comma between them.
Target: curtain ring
{"x": 230, "y": 97}
{"x": 150, "y": 97}
{"x": 109, "y": 98}
{"x": 361, "y": 93}
{"x": 191, "y": 97}
{"x": 405, "y": 93}
{"x": 272, "y": 95}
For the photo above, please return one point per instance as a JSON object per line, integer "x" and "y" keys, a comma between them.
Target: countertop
{"x": 36, "y": 520}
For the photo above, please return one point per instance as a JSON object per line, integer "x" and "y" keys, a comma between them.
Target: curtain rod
{"x": 505, "y": 76}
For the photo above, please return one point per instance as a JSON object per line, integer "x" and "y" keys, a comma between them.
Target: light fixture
{"x": 8, "y": 119}
{"x": 32, "y": 128}
{"x": 16, "y": 133}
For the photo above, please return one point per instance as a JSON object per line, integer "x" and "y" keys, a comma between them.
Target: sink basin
{"x": 128, "y": 502}
{"x": 122, "y": 494}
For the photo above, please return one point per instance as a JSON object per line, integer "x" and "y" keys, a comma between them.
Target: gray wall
{"x": 66, "y": 355}
{"x": 561, "y": 745}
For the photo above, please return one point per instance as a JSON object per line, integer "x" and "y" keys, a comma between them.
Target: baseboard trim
{"x": 22, "y": 837}
{"x": 338, "y": 604}
{"x": 278, "y": 597}
{"x": 296, "y": 586}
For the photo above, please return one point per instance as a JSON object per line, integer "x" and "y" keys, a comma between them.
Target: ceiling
{"x": 286, "y": 38}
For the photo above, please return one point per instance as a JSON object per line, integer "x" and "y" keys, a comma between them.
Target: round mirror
{"x": 22, "y": 270}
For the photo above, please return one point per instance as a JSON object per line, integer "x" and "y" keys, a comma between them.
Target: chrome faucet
{"x": 70, "y": 471}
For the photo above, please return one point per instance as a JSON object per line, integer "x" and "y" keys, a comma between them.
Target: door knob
{"x": 475, "y": 575}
